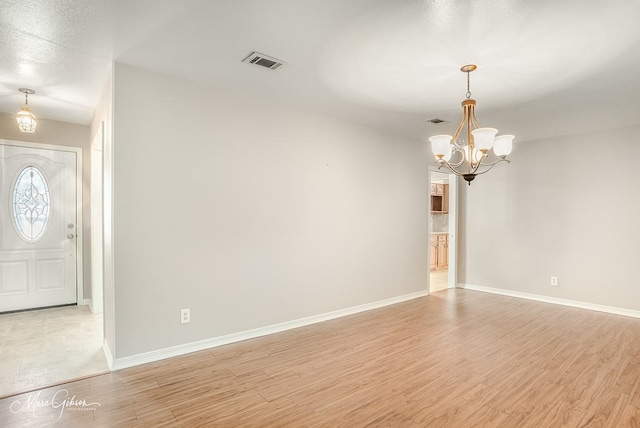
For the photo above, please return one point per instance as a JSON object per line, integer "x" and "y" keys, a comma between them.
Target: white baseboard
{"x": 555, "y": 300}
{"x": 174, "y": 351}
{"x": 88, "y": 302}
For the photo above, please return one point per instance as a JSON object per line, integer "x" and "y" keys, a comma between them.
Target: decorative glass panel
{"x": 31, "y": 204}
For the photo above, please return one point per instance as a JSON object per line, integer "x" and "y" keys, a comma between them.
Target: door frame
{"x": 97, "y": 229}
{"x": 453, "y": 231}
{"x": 452, "y": 276}
{"x": 79, "y": 204}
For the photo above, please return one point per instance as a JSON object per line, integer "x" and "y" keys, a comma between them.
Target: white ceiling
{"x": 545, "y": 67}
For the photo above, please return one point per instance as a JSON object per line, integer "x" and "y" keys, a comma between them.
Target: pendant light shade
{"x": 440, "y": 144}
{"x": 27, "y": 121}
{"x": 483, "y": 138}
{"x": 502, "y": 145}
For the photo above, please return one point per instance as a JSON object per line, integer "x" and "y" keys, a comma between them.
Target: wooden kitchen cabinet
{"x": 439, "y": 198}
{"x": 443, "y": 252}
{"x": 433, "y": 252}
{"x": 439, "y": 252}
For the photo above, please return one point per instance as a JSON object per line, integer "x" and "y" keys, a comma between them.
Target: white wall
{"x": 252, "y": 213}
{"x": 62, "y": 134}
{"x": 566, "y": 206}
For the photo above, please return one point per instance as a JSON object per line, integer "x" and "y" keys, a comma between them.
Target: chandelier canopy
{"x": 470, "y": 157}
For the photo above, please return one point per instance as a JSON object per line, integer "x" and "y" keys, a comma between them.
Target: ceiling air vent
{"x": 262, "y": 60}
{"x": 436, "y": 121}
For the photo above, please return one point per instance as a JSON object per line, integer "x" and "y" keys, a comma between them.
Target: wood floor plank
{"x": 455, "y": 358}
{"x": 630, "y": 417}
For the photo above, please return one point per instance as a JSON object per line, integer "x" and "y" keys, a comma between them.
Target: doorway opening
{"x": 442, "y": 230}
{"x": 41, "y": 257}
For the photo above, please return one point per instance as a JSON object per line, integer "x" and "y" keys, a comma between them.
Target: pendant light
{"x": 26, "y": 120}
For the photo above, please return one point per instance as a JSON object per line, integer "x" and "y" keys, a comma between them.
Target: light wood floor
{"x": 456, "y": 358}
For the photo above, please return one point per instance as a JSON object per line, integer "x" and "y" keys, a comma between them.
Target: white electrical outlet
{"x": 554, "y": 281}
{"x": 185, "y": 316}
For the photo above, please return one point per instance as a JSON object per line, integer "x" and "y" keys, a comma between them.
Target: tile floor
{"x": 48, "y": 346}
{"x": 438, "y": 280}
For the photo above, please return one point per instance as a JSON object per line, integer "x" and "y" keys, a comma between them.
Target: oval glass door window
{"x": 31, "y": 204}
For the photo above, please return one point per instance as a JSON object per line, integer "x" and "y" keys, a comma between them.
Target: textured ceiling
{"x": 545, "y": 67}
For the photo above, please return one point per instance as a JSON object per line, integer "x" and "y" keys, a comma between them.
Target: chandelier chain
{"x": 468, "y": 88}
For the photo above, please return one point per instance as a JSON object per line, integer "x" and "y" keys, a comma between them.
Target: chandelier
{"x": 470, "y": 157}
{"x": 26, "y": 120}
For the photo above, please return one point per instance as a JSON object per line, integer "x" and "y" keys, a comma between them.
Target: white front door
{"x": 38, "y": 240}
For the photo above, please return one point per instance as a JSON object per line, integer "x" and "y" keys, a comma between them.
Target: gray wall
{"x": 62, "y": 134}
{"x": 567, "y": 206}
{"x": 252, "y": 213}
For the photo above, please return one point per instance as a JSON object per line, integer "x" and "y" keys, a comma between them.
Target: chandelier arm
{"x": 452, "y": 167}
{"x": 486, "y": 170}
{"x": 468, "y": 115}
{"x": 442, "y": 163}
{"x": 470, "y": 142}
{"x": 457, "y": 151}
{"x": 457, "y": 133}
{"x": 497, "y": 162}
{"x": 491, "y": 165}
{"x": 488, "y": 166}
{"x": 474, "y": 166}
{"x": 445, "y": 163}
{"x": 474, "y": 119}
{"x": 470, "y": 118}
{"x": 455, "y": 171}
